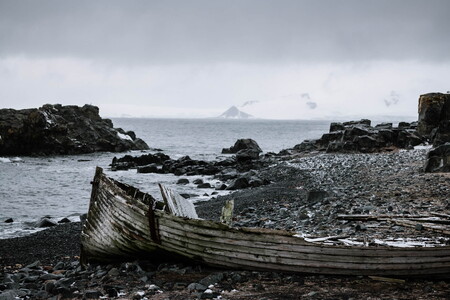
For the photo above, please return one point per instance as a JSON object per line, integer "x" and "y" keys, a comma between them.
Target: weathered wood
{"x": 378, "y": 217}
{"x": 387, "y": 279}
{"x": 117, "y": 225}
{"x": 247, "y": 247}
{"x": 227, "y": 213}
{"x": 177, "y": 205}
{"x": 427, "y": 226}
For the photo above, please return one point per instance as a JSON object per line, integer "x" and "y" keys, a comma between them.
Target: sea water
{"x": 59, "y": 186}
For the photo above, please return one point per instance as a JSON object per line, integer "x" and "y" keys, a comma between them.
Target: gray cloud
{"x": 252, "y": 31}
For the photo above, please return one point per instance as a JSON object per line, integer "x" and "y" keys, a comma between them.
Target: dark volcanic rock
{"x": 359, "y": 136}
{"x": 243, "y": 144}
{"x": 128, "y": 162}
{"x": 57, "y": 129}
{"x": 434, "y": 108}
{"x": 46, "y": 222}
{"x": 438, "y": 159}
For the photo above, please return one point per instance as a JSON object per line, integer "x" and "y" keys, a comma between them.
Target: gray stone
{"x": 196, "y": 287}
{"x": 183, "y": 181}
{"x": 51, "y": 276}
{"x": 113, "y": 272}
{"x": 33, "y": 265}
{"x": 198, "y": 181}
{"x": 8, "y": 295}
{"x": 239, "y": 183}
{"x": 211, "y": 279}
{"x": 92, "y": 294}
{"x": 205, "y": 185}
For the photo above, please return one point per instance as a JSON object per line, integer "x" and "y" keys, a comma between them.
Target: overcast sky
{"x": 295, "y": 59}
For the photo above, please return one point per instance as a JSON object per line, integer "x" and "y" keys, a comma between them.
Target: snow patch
{"x": 423, "y": 147}
{"x": 124, "y": 136}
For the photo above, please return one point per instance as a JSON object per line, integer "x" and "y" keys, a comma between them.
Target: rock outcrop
{"x": 57, "y": 129}
{"x": 237, "y": 171}
{"x": 434, "y": 117}
{"x": 243, "y": 144}
{"x": 360, "y": 136}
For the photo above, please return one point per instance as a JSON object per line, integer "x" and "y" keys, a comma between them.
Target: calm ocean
{"x": 59, "y": 186}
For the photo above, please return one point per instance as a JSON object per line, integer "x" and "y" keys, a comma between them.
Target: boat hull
{"x": 123, "y": 223}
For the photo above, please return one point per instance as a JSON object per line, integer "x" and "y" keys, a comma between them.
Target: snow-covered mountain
{"x": 234, "y": 113}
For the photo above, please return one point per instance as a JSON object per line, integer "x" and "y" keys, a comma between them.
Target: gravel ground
{"x": 309, "y": 193}
{"x": 306, "y": 195}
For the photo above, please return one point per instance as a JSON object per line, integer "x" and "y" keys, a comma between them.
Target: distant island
{"x": 234, "y": 113}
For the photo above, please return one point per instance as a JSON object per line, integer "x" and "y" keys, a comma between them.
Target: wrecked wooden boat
{"x": 123, "y": 221}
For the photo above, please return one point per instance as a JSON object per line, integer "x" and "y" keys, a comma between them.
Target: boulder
{"x": 183, "y": 181}
{"x": 57, "y": 129}
{"x": 151, "y": 168}
{"x": 335, "y": 126}
{"x": 306, "y": 146}
{"x": 242, "y": 144}
{"x": 246, "y": 155}
{"x": 239, "y": 183}
{"x": 434, "y": 108}
{"x": 438, "y": 159}
{"x": 46, "y": 222}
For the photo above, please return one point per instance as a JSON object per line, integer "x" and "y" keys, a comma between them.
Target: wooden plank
{"x": 224, "y": 261}
{"x": 178, "y": 206}
{"x": 297, "y": 244}
{"x": 308, "y": 254}
{"x": 427, "y": 226}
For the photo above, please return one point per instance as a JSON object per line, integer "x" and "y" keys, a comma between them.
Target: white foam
{"x": 5, "y": 160}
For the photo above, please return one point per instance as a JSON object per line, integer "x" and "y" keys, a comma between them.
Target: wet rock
{"x": 239, "y": 183}
{"x": 57, "y": 129}
{"x": 9, "y": 220}
{"x": 46, "y": 222}
{"x": 247, "y": 154}
{"x": 243, "y": 144}
{"x": 128, "y": 161}
{"x": 205, "y": 185}
{"x": 64, "y": 220}
{"x": 198, "y": 181}
{"x": 151, "y": 168}
{"x": 183, "y": 181}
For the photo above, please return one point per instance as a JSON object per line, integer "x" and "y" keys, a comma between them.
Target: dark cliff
{"x": 57, "y": 129}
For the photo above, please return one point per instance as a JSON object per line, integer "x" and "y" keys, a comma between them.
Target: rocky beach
{"x": 46, "y": 264}
{"x": 358, "y": 184}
